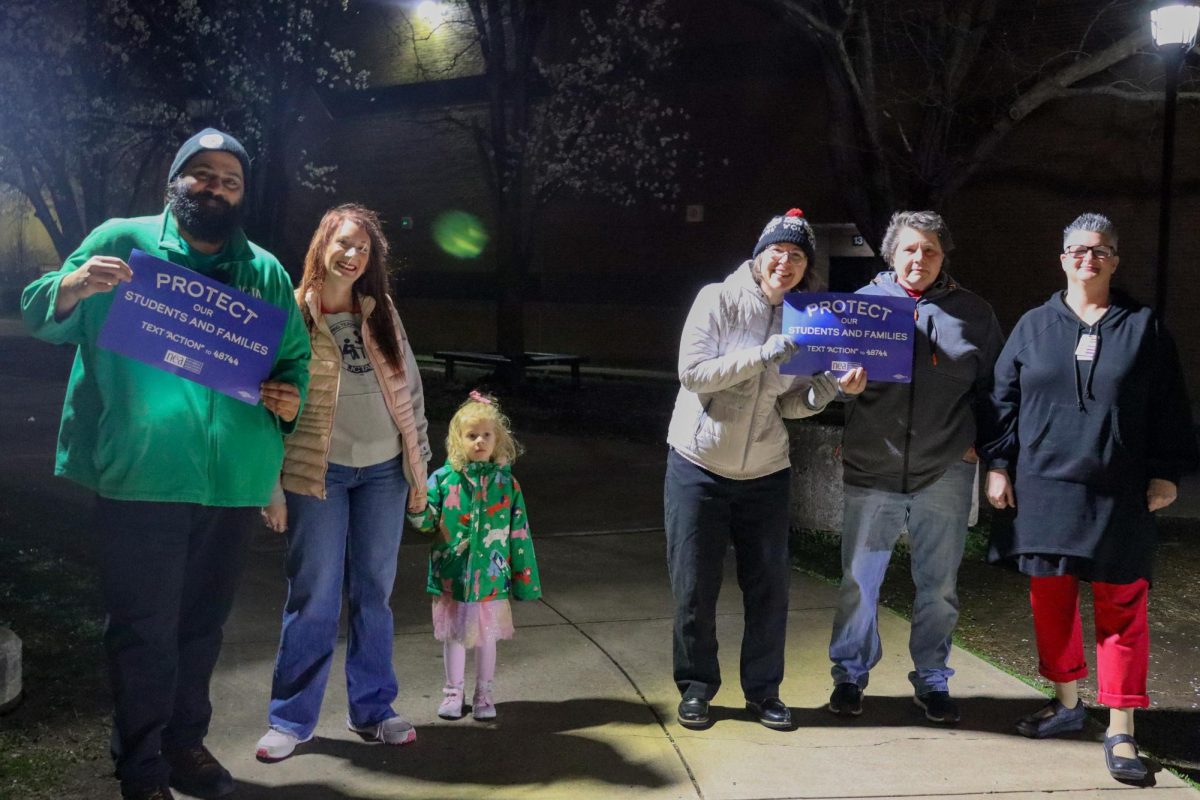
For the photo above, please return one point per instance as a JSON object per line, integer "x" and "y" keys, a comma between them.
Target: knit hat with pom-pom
{"x": 790, "y": 227}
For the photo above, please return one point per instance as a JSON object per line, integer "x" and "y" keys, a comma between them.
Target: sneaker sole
{"x": 841, "y": 712}
{"x": 943, "y": 720}
{"x": 369, "y": 736}
{"x": 265, "y": 756}
{"x": 693, "y": 724}
{"x": 450, "y": 717}
{"x": 409, "y": 738}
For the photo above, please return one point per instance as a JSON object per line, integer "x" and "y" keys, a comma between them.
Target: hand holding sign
{"x": 854, "y": 381}
{"x": 97, "y": 275}
{"x": 778, "y": 349}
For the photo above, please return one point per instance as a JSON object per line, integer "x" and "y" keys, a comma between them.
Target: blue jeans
{"x": 936, "y": 518}
{"x": 350, "y": 539}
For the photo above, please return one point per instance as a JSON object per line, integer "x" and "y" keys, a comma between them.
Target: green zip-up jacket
{"x": 481, "y": 547}
{"x": 133, "y": 432}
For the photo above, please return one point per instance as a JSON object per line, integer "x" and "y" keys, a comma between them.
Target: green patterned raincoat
{"x": 481, "y": 549}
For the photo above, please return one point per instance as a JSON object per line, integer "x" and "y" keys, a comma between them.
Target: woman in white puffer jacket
{"x": 728, "y": 473}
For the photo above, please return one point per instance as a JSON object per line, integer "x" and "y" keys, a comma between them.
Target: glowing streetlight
{"x": 431, "y": 12}
{"x": 1174, "y": 27}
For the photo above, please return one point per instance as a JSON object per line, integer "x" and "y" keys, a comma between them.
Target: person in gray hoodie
{"x": 728, "y": 473}
{"x": 909, "y": 462}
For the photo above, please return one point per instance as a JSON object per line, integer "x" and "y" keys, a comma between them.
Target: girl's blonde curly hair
{"x": 481, "y": 408}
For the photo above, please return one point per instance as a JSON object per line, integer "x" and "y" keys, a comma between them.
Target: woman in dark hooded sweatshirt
{"x": 1092, "y": 431}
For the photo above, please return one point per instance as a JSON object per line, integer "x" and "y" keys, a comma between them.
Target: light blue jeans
{"x": 936, "y": 518}
{"x": 347, "y": 541}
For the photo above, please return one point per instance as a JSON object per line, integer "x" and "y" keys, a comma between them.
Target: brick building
{"x": 615, "y": 283}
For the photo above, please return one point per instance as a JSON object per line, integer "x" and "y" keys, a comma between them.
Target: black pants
{"x": 704, "y": 512}
{"x": 170, "y": 571}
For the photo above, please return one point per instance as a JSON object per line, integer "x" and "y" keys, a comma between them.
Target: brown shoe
{"x": 197, "y": 772}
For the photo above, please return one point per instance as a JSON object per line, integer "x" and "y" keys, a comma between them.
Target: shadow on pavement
{"x": 985, "y": 715}
{"x": 1172, "y": 734}
{"x": 530, "y": 744}
{"x": 248, "y": 790}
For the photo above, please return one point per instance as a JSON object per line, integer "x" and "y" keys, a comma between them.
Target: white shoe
{"x": 276, "y": 745}
{"x": 393, "y": 730}
{"x": 482, "y": 706}
{"x": 452, "y": 703}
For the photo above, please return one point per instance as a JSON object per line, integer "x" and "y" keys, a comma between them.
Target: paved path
{"x": 585, "y": 697}
{"x": 586, "y": 704}
{"x": 586, "y": 700}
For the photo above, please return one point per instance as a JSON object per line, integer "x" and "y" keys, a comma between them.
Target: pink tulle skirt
{"x": 471, "y": 623}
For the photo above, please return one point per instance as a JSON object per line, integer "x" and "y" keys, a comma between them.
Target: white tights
{"x": 455, "y": 656}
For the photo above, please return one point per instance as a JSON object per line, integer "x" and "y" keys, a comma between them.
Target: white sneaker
{"x": 393, "y": 730}
{"x": 482, "y": 706}
{"x": 276, "y": 745}
{"x": 452, "y": 703}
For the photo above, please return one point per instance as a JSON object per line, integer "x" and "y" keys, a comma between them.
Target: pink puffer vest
{"x": 307, "y": 449}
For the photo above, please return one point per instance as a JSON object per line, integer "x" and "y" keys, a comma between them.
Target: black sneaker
{"x": 693, "y": 712}
{"x": 196, "y": 771}
{"x": 938, "y": 707}
{"x": 846, "y": 699}
{"x": 772, "y": 712}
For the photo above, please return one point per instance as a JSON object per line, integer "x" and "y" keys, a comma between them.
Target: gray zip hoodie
{"x": 901, "y": 437}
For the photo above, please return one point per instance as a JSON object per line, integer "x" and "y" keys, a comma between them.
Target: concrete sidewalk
{"x": 585, "y": 697}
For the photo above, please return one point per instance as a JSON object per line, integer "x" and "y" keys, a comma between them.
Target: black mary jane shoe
{"x": 1060, "y": 720}
{"x": 772, "y": 712}
{"x": 1126, "y": 770}
{"x": 693, "y": 712}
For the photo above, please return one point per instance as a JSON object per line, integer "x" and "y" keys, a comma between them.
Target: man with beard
{"x": 179, "y": 470}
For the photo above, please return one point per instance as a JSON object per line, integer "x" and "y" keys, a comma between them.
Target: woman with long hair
{"x": 354, "y": 464}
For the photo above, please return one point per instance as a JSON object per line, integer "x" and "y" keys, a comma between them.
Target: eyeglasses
{"x": 793, "y": 256}
{"x": 1100, "y": 252}
{"x": 204, "y": 177}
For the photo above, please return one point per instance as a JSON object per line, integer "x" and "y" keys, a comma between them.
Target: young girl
{"x": 482, "y": 551}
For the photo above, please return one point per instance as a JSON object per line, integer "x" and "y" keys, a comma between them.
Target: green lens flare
{"x": 460, "y": 234}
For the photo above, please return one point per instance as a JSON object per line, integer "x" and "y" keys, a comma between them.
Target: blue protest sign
{"x": 193, "y": 326}
{"x": 839, "y": 331}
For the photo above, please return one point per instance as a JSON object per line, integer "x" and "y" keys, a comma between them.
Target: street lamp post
{"x": 1174, "y": 26}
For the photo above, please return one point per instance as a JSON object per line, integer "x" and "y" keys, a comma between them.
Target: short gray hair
{"x": 928, "y": 221}
{"x": 1095, "y": 223}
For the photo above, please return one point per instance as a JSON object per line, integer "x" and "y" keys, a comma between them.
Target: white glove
{"x": 778, "y": 349}
{"x": 824, "y": 388}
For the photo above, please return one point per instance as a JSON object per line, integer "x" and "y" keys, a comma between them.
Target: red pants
{"x": 1122, "y": 636}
